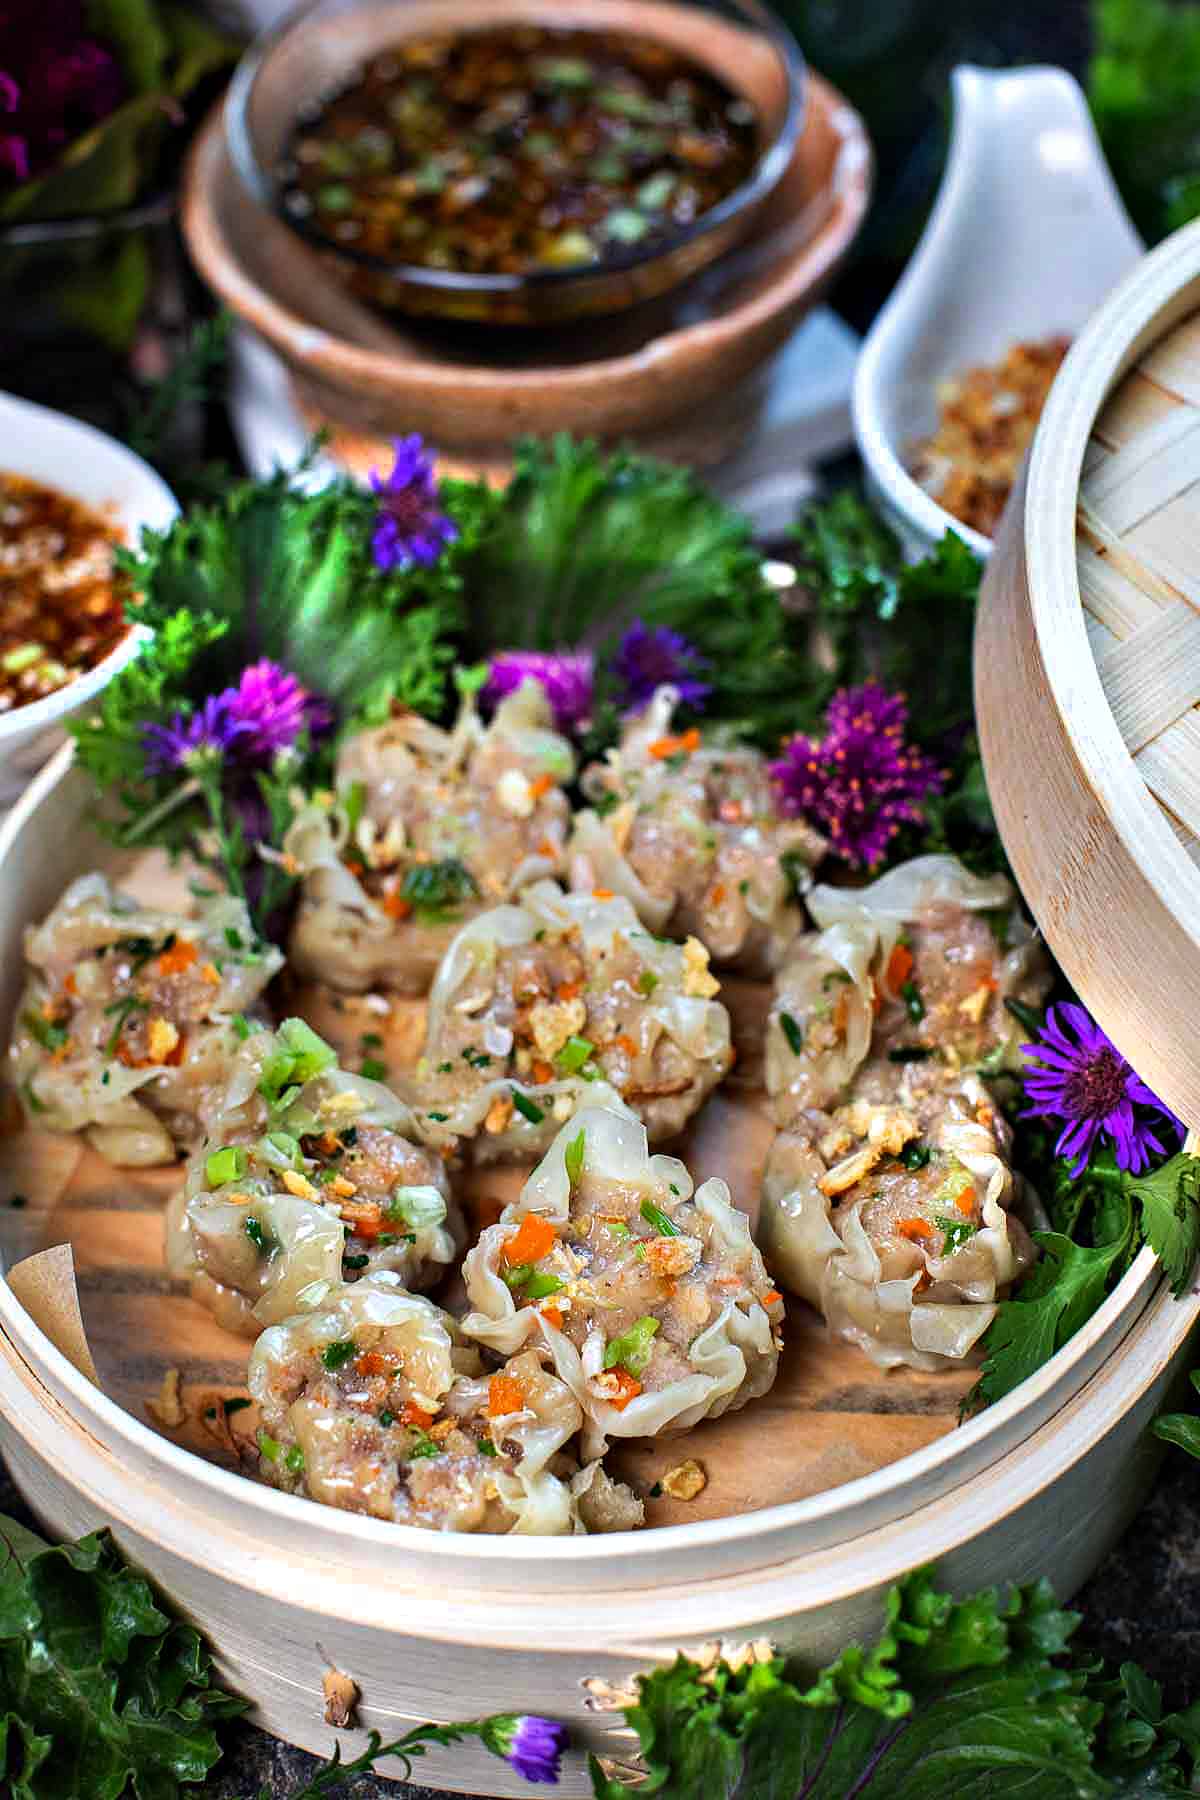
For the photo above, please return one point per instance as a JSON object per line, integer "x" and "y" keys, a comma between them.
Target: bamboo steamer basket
{"x": 820, "y": 1496}
{"x": 1087, "y": 670}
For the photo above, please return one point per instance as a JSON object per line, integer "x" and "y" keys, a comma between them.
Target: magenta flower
{"x": 566, "y": 676}
{"x": 205, "y": 734}
{"x": 532, "y": 1746}
{"x": 1079, "y": 1076}
{"x": 411, "y": 530}
{"x": 649, "y": 658}
{"x": 270, "y": 709}
{"x": 861, "y": 782}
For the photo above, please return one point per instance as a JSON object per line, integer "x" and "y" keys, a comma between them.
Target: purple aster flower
{"x": 271, "y": 709}
{"x": 411, "y": 531}
{"x": 1079, "y": 1076}
{"x": 566, "y": 676}
{"x": 861, "y": 781}
{"x": 57, "y": 82}
{"x": 209, "y": 731}
{"x": 649, "y": 658}
{"x": 530, "y": 1745}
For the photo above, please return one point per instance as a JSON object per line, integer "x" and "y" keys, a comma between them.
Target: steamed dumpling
{"x": 692, "y": 834}
{"x": 373, "y": 1404}
{"x": 124, "y": 1029}
{"x": 917, "y": 965}
{"x": 891, "y": 1216}
{"x": 429, "y": 828}
{"x": 651, "y": 1298}
{"x": 310, "y": 1176}
{"x": 535, "y": 1003}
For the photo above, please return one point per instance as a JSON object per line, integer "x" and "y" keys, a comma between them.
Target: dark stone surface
{"x": 1143, "y": 1603}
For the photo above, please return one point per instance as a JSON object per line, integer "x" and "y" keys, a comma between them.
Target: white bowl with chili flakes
{"x": 68, "y": 496}
{"x": 1027, "y": 237}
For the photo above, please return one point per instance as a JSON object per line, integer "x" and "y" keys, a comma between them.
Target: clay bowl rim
{"x": 774, "y": 159}
{"x": 321, "y": 354}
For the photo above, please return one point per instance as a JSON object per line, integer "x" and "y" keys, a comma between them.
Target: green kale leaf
{"x": 101, "y": 1691}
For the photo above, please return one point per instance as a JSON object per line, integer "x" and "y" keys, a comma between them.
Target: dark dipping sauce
{"x": 60, "y": 612}
{"x": 517, "y": 150}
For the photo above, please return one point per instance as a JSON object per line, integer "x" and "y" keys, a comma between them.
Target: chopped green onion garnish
{"x": 300, "y": 1055}
{"x": 573, "y": 1158}
{"x": 293, "y": 1461}
{"x": 915, "y": 1156}
{"x": 424, "y": 1446}
{"x": 914, "y": 1005}
{"x": 792, "y": 1032}
{"x": 526, "y": 1107}
{"x": 355, "y": 1262}
{"x": 487, "y": 1448}
{"x": 225, "y": 1165}
{"x": 372, "y": 1069}
{"x": 439, "y": 1118}
{"x": 235, "y": 1404}
{"x": 518, "y": 1276}
{"x": 337, "y": 1354}
{"x": 633, "y": 1349}
{"x": 654, "y": 1215}
{"x": 387, "y": 1418}
{"x": 539, "y": 1286}
{"x": 957, "y": 1231}
{"x": 49, "y": 1035}
{"x": 268, "y": 1446}
{"x": 647, "y": 981}
{"x": 909, "y": 1053}
{"x": 258, "y": 1235}
{"x": 233, "y": 938}
{"x": 417, "y": 1206}
{"x": 618, "y": 1227}
{"x": 574, "y": 1053}
{"x": 241, "y": 1026}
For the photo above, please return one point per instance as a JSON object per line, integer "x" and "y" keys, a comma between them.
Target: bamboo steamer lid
{"x": 1087, "y": 671}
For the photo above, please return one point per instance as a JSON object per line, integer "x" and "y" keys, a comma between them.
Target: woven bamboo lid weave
{"x": 1087, "y": 670}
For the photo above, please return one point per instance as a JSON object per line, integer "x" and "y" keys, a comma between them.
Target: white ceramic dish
{"x": 444, "y": 1627}
{"x": 1028, "y": 235}
{"x": 77, "y": 459}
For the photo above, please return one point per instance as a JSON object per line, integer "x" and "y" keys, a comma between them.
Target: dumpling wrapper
{"x": 733, "y": 1356}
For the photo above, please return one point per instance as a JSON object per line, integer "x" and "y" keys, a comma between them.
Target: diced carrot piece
{"x": 396, "y": 907}
{"x": 542, "y": 1073}
{"x": 179, "y": 957}
{"x": 374, "y": 1362}
{"x": 364, "y": 1217}
{"x": 552, "y": 1314}
{"x": 541, "y": 784}
{"x": 505, "y": 1395}
{"x": 355, "y": 867}
{"x": 411, "y": 1414}
{"x": 841, "y": 1009}
{"x": 626, "y": 1043}
{"x": 717, "y": 894}
{"x": 770, "y": 1298}
{"x": 70, "y": 983}
{"x": 602, "y": 893}
{"x": 548, "y": 849}
{"x": 965, "y": 1198}
{"x": 899, "y": 968}
{"x": 914, "y": 1229}
{"x": 534, "y": 1238}
{"x": 568, "y": 990}
{"x": 628, "y": 1388}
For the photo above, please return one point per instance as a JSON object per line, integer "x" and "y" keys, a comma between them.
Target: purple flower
{"x": 56, "y": 84}
{"x": 1079, "y": 1076}
{"x": 861, "y": 781}
{"x": 566, "y": 676}
{"x": 270, "y": 709}
{"x": 207, "y": 733}
{"x": 411, "y": 531}
{"x": 649, "y": 658}
{"x": 532, "y": 1746}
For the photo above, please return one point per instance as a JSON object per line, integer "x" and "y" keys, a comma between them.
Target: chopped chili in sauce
{"x": 60, "y": 610}
{"x": 518, "y": 148}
